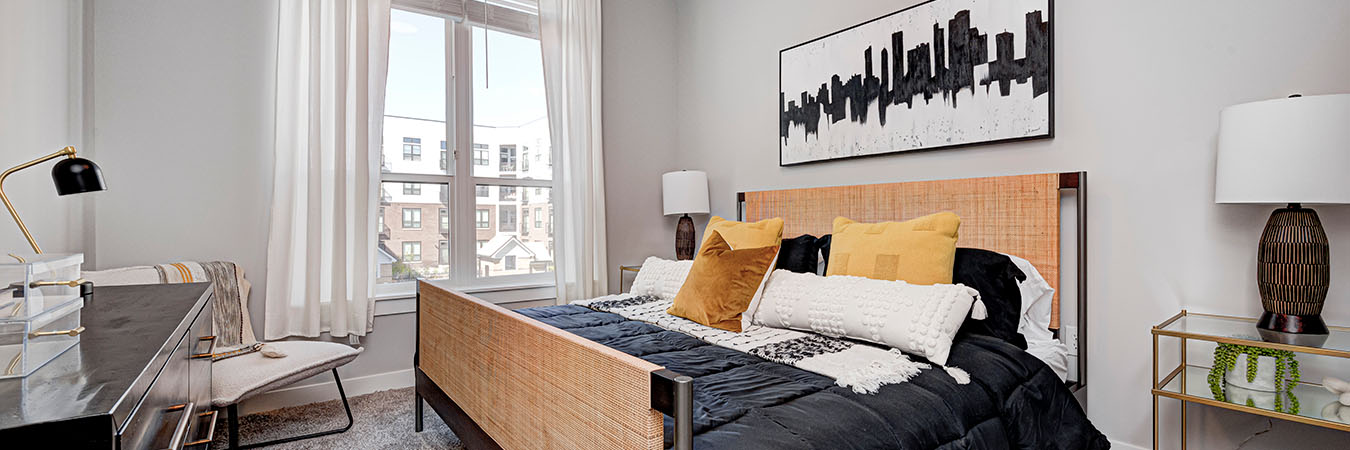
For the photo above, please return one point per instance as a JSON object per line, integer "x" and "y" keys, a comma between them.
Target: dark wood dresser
{"x": 140, "y": 378}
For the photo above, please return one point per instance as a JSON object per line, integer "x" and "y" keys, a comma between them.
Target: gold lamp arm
{"x": 68, "y": 152}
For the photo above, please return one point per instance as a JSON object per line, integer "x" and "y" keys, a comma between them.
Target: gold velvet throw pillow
{"x": 739, "y": 235}
{"x": 917, "y": 251}
{"x": 722, "y": 283}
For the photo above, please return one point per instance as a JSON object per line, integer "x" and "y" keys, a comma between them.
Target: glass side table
{"x": 1189, "y": 382}
{"x": 626, "y": 268}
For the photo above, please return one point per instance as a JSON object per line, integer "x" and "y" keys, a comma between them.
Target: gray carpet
{"x": 383, "y": 420}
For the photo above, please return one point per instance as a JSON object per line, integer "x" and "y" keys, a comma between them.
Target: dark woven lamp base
{"x": 1293, "y": 273}
{"x": 684, "y": 239}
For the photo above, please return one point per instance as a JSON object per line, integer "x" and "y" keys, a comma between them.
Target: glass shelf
{"x": 1242, "y": 331}
{"x": 1316, "y": 406}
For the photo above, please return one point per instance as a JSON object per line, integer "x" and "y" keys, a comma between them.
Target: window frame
{"x": 416, "y": 221}
{"x": 416, "y": 245}
{"x": 458, "y": 177}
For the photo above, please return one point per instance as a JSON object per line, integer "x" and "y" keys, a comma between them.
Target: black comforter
{"x": 744, "y": 402}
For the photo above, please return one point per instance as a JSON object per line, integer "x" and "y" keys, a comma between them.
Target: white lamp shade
{"x": 684, "y": 192}
{"x": 1291, "y": 150}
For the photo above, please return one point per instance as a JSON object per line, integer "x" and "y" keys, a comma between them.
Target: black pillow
{"x": 798, "y": 254}
{"x": 996, "y": 277}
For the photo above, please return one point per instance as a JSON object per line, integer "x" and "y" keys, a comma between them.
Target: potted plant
{"x": 1255, "y": 376}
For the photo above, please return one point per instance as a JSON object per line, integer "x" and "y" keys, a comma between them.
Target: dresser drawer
{"x": 175, "y": 409}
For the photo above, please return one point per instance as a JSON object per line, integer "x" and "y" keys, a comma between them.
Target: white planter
{"x": 1265, "y": 374}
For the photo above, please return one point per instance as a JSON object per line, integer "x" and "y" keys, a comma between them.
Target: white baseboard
{"x": 325, "y": 391}
{"x": 1118, "y": 444}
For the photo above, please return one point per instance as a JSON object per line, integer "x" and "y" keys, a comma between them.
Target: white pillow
{"x": 1037, "y": 300}
{"x": 660, "y": 277}
{"x": 917, "y": 319}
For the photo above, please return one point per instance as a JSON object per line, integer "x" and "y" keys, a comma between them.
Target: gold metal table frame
{"x": 1160, "y": 387}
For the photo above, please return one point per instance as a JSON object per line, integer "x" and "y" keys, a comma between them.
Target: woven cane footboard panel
{"x": 1016, "y": 214}
{"x": 530, "y": 385}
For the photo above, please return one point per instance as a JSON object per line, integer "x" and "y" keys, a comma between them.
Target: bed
{"x": 570, "y": 376}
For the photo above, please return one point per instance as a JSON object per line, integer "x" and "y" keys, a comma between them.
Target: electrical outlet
{"x": 1071, "y": 339}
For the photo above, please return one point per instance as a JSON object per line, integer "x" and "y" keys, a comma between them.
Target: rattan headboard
{"x": 1016, "y": 214}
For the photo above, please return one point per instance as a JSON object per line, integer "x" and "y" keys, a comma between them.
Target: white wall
{"x": 639, "y": 129}
{"x": 1139, "y": 87}
{"x": 39, "y": 114}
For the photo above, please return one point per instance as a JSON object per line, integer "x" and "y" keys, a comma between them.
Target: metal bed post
{"x": 673, "y": 395}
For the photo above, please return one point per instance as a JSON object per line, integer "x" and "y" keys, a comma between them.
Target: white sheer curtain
{"x": 332, "y": 58}
{"x": 569, "y": 32}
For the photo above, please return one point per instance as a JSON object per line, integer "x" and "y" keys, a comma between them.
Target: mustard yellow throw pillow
{"x": 918, "y": 251}
{"x": 767, "y": 232}
{"x": 722, "y": 282}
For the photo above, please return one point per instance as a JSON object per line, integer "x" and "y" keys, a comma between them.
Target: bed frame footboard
{"x": 503, "y": 380}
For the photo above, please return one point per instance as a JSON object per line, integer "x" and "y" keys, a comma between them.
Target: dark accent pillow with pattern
{"x": 799, "y": 254}
{"x": 996, "y": 277}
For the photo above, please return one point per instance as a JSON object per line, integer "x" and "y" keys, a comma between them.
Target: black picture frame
{"x": 1049, "y": 134}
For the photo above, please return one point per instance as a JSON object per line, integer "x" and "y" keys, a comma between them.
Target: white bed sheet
{"x": 1053, "y": 352}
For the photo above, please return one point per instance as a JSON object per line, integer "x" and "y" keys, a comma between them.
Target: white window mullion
{"x": 459, "y": 87}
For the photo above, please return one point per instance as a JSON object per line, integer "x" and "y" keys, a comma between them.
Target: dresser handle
{"x": 209, "y": 350}
{"x": 71, "y": 283}
{"x": 70, "y": 332}
{"x": 210, "y": 430}
{"x": 180, "y": 431}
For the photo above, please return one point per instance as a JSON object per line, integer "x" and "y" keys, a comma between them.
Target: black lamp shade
{"x": 77, "y": 176}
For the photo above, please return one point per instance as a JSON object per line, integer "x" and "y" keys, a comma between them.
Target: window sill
{"x": 406, "y": 302}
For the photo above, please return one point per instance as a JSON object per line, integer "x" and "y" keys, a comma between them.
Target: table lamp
{"x": 73, "y": 175}
{"x": 1293, "y": 151}
{"x": 684, "y": 192}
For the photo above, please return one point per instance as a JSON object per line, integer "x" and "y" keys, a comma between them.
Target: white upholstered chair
{"x": 238, "y": 378}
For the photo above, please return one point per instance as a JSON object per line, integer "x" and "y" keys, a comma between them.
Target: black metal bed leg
{"x": 233, "y": 412}
{"x": 234, "y": 423}
{"x": 417, "y": 412}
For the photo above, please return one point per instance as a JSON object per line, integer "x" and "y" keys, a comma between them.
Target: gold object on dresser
{"x": 1189, "y": 383}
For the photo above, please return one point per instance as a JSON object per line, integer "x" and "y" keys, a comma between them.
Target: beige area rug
{"x": 383, "y": 420}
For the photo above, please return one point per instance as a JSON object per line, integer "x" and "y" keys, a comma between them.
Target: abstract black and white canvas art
{"x": 940, "y": 74}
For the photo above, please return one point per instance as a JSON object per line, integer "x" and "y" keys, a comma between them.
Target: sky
{"x": 508, "y": 73}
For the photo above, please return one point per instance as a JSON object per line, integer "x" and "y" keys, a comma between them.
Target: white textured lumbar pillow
{"x": 917, "y": 319}
{"x": 660, "y": 277}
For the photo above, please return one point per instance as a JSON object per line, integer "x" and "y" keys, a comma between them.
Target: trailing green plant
{"x": 1287, "y": 373}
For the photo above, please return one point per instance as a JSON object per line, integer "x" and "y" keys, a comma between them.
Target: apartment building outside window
{"x": 438, "y": 67}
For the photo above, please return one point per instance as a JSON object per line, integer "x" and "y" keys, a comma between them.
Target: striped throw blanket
{"x": 229, "y": 287}
{"x": 860, "y": 367}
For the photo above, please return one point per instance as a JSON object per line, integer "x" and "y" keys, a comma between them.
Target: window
{"x": 506, "y": 219}
{"x": 412, "y": 252}
{"x": 510, "y": 262}
{"x": 379, "y": 221}
{"x": 539, "y": 218}
{"x": 412, "y": 218}
{"x": 508, "y": 158}
{"x": 506, "y": 131}
{"x": 412, "y": 149}
{"x": 480, "y": 154}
